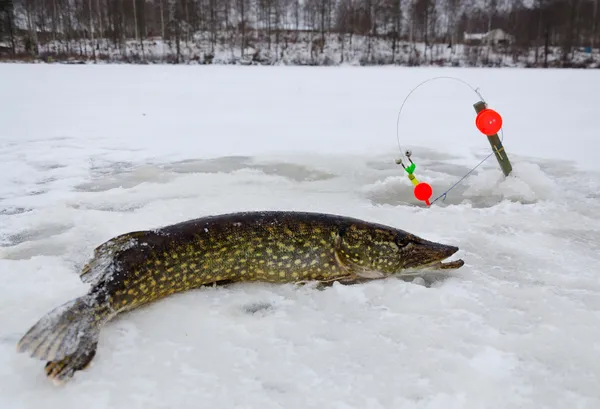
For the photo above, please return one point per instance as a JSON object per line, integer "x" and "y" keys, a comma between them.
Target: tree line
{"x": 563, "y": 29}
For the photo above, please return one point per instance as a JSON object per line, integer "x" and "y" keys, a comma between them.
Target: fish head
{"x": 415, "y": 253}
{"x": 384, "y": 252}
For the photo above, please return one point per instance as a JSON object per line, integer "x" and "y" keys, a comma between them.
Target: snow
{"x": 90, "y": 152}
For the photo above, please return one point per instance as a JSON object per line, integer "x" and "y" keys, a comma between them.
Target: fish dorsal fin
{"x": 351, "y": 266}
{"x": 102, "y": 263}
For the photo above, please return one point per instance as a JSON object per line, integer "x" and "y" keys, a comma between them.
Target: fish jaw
{"x": 422, "y": 254}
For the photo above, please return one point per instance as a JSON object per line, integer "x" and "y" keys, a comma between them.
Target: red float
{"x": 423, "y": 192}
{"x": 488, "y": 122}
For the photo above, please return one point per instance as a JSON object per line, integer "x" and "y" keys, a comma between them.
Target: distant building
{"x": 499, "y": 36}
{"x": 473, "y": 38}
{"x": 496, "y": 36}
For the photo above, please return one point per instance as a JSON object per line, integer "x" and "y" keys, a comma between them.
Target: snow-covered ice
{"x": 89, "y": 152}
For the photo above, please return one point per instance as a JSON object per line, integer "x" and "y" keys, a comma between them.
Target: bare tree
{"x": 554, "y": 32}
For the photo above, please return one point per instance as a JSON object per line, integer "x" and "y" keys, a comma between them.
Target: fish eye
{"x": 402, "y": 240}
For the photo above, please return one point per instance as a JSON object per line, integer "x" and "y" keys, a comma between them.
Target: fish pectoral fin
{"x": 369, "y": 274}
{"x": 322, "y": 284}
{"x": 355, "y": 280}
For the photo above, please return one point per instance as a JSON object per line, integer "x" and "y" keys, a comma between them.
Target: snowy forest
{"x": 535, "y": 33}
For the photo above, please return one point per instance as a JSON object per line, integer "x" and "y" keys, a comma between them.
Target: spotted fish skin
{"x": 267, "y": 247}
{"x": 136, "y": 268}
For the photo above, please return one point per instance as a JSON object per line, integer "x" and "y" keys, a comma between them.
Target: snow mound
{"x": 526, "y": 184}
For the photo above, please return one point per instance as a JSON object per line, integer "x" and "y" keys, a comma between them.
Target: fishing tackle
{"x": 422, "y": 190}
{"x": 488, "y": 122}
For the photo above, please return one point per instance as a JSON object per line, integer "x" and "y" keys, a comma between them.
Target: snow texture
{"x": 91, "y": 152}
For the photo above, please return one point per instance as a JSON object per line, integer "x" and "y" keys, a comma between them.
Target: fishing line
{"x": 406, "y": 154}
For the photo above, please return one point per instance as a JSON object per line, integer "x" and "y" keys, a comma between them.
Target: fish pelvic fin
{"x": 66, "y": 337}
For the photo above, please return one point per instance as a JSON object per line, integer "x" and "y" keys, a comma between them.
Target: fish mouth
{"x": 447, "y": 265}
{"x": 442, "y": 262}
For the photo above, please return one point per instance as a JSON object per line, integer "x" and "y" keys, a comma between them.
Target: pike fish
{"x": 140, "y": 267}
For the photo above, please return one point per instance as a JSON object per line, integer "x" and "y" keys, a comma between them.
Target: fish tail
{"x": 66, "y": 337}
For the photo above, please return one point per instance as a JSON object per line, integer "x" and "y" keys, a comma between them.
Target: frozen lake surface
{"x": 90, "y": 152}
